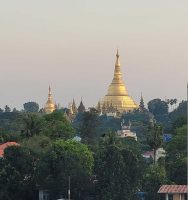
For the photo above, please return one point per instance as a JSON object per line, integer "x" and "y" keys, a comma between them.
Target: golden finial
{"x": 73, "y": 102}
{"x": 117, "y": 54}
{"x": 49, "y": 90}
{"x": 117, "y": 59}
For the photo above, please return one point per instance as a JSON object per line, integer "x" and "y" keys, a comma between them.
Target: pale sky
{"x": 71, "y": 45}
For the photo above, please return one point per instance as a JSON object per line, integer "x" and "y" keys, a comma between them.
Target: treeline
{"x": 101, "y": 166}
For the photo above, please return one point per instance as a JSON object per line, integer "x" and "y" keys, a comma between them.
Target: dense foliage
{"x": 17, "y": 174}
{"x": 118, "y": 169}
{"x": 176, "y": 158}
{"x": 64, "y": 159}
{"x": 31, "y": 106}
{"x": 101, "y": 166}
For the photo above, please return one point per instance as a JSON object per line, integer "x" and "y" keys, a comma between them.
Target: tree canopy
{"x": 158, "y": 107}
{"x": 154, "y": 137}
{"x": 118, "y": 170}
{"x": 176, "y": 156}
{"x": 17, "y": 180}
{"x": 101, "y": 166}
{"x": 57, "y": 126}
{"x": 31, "y": 106}
{"x": 64, "y": 159}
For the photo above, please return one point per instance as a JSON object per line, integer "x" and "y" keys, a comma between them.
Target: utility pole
{"x": 69, "y": 190}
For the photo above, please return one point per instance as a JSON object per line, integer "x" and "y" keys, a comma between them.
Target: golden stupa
{"x": 49, "y": 106}
{"x": 117, "y": 96}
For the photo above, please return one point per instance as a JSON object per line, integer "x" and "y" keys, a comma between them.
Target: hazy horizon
{"x": 71, "y": 46}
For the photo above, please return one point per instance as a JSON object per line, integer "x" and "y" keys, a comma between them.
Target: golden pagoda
{"x": 117, "y": 95}
{"x": 49, "y": 106}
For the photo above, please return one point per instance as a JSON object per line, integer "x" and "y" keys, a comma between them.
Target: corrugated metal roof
{"x": 173, "y": 189}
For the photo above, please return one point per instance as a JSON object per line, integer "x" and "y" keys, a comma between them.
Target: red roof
{"x": 173, "y": 189}
{"x": 5, "y": 145}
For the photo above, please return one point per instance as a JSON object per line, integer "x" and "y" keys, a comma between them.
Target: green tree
{"x": 17, "y": 169}
{"x": 118, "y": 168}
{"x": 154, "y": 177}
{"x": 31, "y": 106}
{"x": 9, "y": 136}
{"x": 39, "y": 144}
{"x": 15, "y": 110}
{"x": 88, "y": 126}
{"x": 7, "y": 109}
{"x": 154, "y": 137}
{"x": 180, "y": 111}
{"x": 64, "y": 159}
{"x": 9, "y": 126}
{"x": 178, "y": 122}
{"x": 158, "y": 107}
{"x": 57, "y": 126}
{"x": 32, "y": 125}
{"x": 176, "y": 156}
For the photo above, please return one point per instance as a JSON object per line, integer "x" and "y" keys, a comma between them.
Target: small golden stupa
{"x": 49, "y": 106}
{"x": 117, "y": 95}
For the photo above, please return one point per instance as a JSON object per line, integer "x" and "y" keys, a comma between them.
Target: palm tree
{"x": 175, "y": 102}
{"x": 154, "y": 137}
{"x": 171, "y": 103}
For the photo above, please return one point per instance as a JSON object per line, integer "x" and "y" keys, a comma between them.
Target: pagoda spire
{"x": 117, "y": 87}
{"x": 49, "y": 93}
{"x": 117, "y": 59}
{"x": 81, "y": 107}
{"x": 98, "y": 106}
{"x": 141, "y": 106}
{"x": 117, "y": 72}
{"x": 49, "y": 90}
{"x": 49, "y": 106}
{"x": 74, "y": 108}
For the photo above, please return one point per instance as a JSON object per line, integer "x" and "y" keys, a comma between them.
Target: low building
{"x": 126, "y": 131}
{"x": 150, "y": 154}
{"x": 174, "y": 192}
{"x": 160, "y": 153}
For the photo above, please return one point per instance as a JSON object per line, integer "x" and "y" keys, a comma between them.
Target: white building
{"x": 126, "y": 131}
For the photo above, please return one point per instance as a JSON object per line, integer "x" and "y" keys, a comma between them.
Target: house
{"x": 174, "y": 192}
{"x": 150, "y": 154}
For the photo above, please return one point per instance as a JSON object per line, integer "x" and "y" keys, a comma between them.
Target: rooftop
{"x": 173, "y": 189}
{"x": 5, "y": 145}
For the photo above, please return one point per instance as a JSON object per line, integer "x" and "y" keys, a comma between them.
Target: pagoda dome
{"x": 117, "y": 94}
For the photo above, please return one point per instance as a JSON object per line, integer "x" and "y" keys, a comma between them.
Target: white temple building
{"x": 126, "y": 131}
